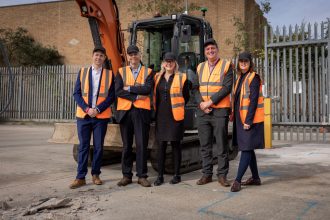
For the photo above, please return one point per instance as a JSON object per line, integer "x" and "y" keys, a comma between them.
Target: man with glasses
{"x": 133, "y": 88}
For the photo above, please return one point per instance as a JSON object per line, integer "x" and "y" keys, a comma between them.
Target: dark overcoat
{"x": 252, "y": 138}
{"x": 167, "y": 129}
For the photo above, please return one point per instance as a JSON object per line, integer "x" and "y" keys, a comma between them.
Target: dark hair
{"x": 100, "y": 49}
{"x": 251, "y": 69}
{"x": 210, "y": 41}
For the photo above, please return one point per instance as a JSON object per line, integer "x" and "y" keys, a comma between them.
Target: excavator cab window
{"x": 154, "y": 43}
{"x": 190, "y": 43}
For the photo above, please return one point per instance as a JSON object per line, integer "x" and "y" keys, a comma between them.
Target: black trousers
{"x": 177, "y": 155}
{"x": 133, "y": 125}
{"x": 210, "y": 127}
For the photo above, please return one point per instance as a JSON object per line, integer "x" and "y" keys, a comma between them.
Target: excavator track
{"x": 191, "y": 159}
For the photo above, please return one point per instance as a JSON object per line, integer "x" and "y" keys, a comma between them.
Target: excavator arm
{"x": 103, "y": 18}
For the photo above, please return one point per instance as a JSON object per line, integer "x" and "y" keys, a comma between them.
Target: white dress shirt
{"x": 96, "y": 75}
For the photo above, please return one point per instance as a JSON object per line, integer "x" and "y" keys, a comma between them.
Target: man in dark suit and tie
{"x": 133, "y": 88}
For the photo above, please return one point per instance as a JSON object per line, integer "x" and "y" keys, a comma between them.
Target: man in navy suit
{"x": 94, "y": 92}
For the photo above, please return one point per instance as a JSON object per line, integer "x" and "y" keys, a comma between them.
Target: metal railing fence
{"x": 297, "y": 78}
{"x": 40, "y": 93}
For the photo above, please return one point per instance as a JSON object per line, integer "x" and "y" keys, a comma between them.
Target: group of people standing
{"x": 97, "y": 88}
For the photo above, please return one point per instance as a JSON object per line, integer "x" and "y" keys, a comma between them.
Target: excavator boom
{"x": 103, "y": 17}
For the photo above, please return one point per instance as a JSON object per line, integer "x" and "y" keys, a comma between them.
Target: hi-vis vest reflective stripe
{"x": 211, "y": 83}
{"x": 177, "y": 100}
{"x": 128, "y": 80}
{"x": 105, "y": 84}
{"x": 245, "y": 99}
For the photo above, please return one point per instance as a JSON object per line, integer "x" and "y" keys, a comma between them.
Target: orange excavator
{"x": 182, "y": 34}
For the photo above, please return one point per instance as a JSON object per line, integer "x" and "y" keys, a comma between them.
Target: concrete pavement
{"x": 295, "y": 185}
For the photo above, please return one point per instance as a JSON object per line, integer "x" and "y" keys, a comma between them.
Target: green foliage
{"x": 241, "y": 39}
{"x": 23, "y": 50}
{"x": 163, "y": 7}
{"x": 265, "y": 6}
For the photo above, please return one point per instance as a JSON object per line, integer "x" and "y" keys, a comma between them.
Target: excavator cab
{"x": 181, "y": 34}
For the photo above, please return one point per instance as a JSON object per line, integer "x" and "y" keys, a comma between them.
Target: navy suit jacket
{"x": 77, "y": 94}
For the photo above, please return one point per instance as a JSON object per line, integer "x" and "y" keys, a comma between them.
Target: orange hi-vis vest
{"x": 128, "y": 80}
{"x": 177, "y": 100}
{"x": 245, "y": 99}
{"x": 211, "y": 83}
{"x": 104, "y": 86}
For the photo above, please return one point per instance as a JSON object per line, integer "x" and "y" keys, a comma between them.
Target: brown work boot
{"x": 144, "y": 182}
{"x": 77, "y": 183}
{"x": 251, "y": 181}
{"x": 235, "y": 187}
{"x": 204, "y": 180}
{"x": 97, "y": 180}
{"x": 124, "y": 181}
{"x": 223, "y": 181}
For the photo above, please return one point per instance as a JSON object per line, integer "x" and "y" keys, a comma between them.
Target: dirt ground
{"x": 295, "y": 185}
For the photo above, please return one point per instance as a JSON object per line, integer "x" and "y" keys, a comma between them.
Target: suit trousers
{"x": 133, "y": 125}
{"x": 210, "y": 127}
{"x": 86, "y": 127}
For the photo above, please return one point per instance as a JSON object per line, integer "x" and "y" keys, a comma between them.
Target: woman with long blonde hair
{"x": 171, "y": 92}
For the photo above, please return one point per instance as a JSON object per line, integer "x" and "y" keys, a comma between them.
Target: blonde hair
{"x": 163, "y": 70}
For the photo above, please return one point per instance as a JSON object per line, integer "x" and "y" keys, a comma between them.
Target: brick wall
{"x": 59, "y": 24}
{"x": 56, "y": 24}
{"x": 254, "y": 22}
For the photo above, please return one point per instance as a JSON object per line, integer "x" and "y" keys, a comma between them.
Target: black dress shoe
{"x": 159, "y": 181}
{"x": 176, "y": 179}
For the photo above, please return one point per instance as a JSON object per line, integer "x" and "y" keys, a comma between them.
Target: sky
{"x": 292, "y": 12}
{"x": 283, "y": 12}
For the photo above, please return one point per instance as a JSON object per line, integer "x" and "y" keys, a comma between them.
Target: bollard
{"x": 268, "y": 122}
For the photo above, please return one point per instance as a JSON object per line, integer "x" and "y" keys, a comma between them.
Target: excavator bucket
{"x": 66, "y": 133}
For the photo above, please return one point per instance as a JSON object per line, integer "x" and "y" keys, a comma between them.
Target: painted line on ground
{"x": 205, "y": 210}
